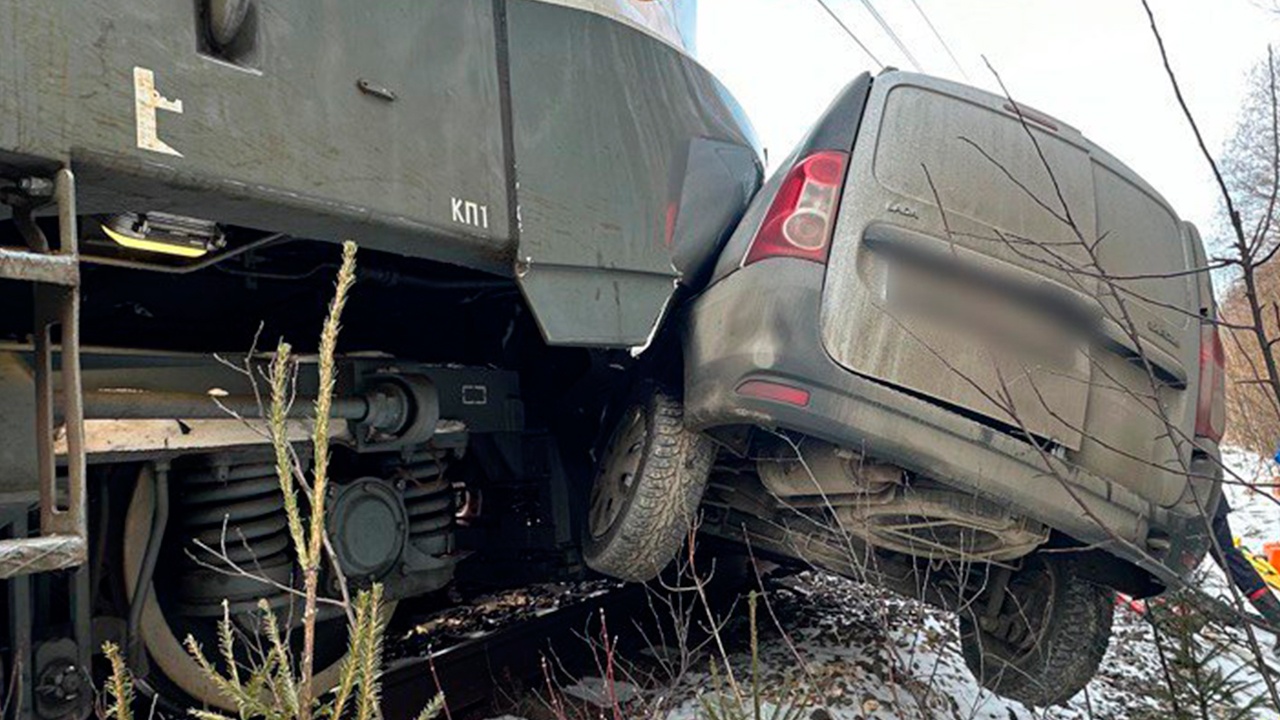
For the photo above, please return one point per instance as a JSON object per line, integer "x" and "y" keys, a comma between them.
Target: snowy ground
{"x": 832, "y": 649}
{"x": 868, "y": 654}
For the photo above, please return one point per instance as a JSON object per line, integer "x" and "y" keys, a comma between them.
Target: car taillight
{"x": 1211, "y": 411}
{"x": 803, "y": 213}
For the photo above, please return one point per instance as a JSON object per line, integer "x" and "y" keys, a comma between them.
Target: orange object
{"x": 1271, "y": 551}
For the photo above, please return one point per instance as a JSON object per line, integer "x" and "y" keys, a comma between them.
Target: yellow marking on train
{"x": 136, "y": 243}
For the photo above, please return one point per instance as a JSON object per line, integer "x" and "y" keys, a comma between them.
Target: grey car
{"x": 957, "y": 348}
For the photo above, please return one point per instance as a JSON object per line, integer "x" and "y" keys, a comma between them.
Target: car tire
{"x": 1059, "y": 645}
{"x": 646, "y": 490}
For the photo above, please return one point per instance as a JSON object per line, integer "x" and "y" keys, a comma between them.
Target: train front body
{"x": 535, "y": 189}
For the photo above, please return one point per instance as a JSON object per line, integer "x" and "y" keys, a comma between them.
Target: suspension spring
{"x": 429, "y": 500}
{"x": 235, "y": 534}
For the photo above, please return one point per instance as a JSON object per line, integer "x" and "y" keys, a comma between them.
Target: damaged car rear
{"x": 956, "y": 348}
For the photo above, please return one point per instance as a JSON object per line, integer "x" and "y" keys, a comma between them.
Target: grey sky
{"x": 1092, "y": 63}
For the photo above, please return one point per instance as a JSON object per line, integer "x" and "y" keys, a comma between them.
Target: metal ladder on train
{"x": 52, "y": 675}
{"x": 62, "y": 541}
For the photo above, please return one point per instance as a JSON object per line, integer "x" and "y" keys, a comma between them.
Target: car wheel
{"x": 646, "y": 491}
{"x": 1048, "y": 638}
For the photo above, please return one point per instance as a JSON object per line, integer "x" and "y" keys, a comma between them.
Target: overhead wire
{"x": 850, "y": 33}
{"x": 892, "y": 35}
{"x": 941, "y": 41}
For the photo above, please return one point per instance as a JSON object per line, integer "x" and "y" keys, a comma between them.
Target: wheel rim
{"x": 615, "y": 483}
{"x": 1024, "y": 617}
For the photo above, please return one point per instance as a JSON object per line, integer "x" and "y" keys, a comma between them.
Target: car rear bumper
{"x": 762, "y": 323}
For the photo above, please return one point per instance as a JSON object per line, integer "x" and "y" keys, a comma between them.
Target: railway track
{"x": 475, "y": 670}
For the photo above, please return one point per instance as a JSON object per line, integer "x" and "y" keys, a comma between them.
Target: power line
{"x": 944, "y": 44}
{"x": 850, "y": 33}
{"x": 892, "y": 35}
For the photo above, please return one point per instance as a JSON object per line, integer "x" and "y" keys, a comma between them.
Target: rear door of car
{"x": 1151, "y": 305}
{"x": 963, "y": 271}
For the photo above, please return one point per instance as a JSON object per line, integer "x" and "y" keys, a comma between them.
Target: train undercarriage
{"x": 140, "y": 483}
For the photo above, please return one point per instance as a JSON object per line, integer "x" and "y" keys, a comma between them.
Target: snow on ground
{"x": 869, "y": 654}
{"x": 1255, "y": 518}
{"x": 841, "y": 650}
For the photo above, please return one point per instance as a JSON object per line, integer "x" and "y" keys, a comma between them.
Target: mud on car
{"x": 570, "y": 333}
{"x": 956, "y": 348}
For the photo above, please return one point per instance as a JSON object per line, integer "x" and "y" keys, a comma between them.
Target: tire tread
{"x": 1068, "y": 655}
{"x": 653, "y": 526}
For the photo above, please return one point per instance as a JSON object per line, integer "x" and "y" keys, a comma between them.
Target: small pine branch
{"x": 119, "y": 686}
{"x": 232, "y": 691}
{"x": 433, "y": 708}
{"x": 320, "y": 474}
{"x": 281, "y": 375}
{"x": 350, "y": 669}
{"x": 1195, "y": 684}
{"x": 227, "y": 644}
{"x": 369, "y": 610}
{"x": 324, "y": 398}
{"x": 721, "y": 704}
{"x": 279, "y": 669}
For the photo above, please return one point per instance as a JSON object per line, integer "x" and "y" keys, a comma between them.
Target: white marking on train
{"x": 146, "y": 102}
{"x": 470, "y": 213}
